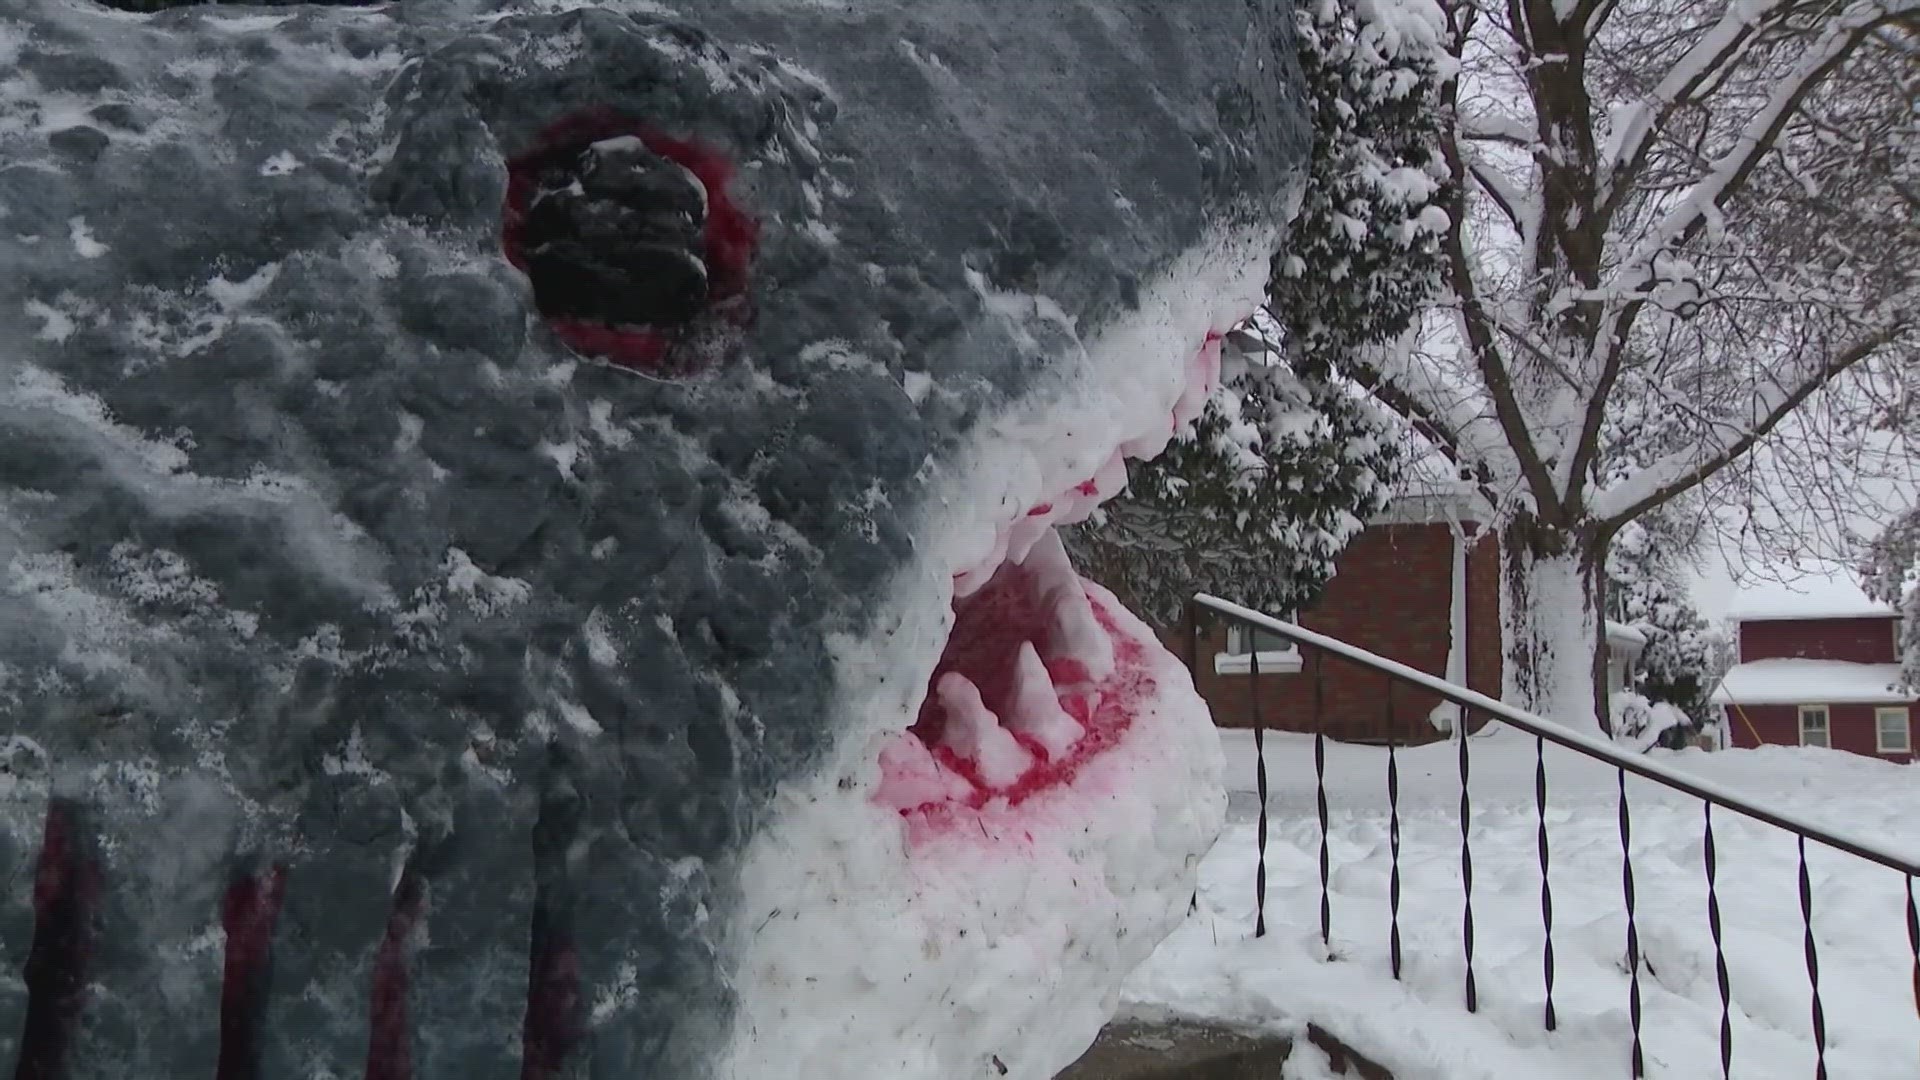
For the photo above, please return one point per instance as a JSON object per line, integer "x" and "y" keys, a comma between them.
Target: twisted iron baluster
{"x": 1260, "y": 785}
{"x": 1320, "y": 794}
{"x": 1393, "y": 837}
{"x": 1466, "y": 867}
{"x": 1546, "y": 886}
{"x": 1913, "y": 939}
{"x": 1813, "y": 968}
{"x": 1719, "y": 955}
{"x": 1633, "y": 928}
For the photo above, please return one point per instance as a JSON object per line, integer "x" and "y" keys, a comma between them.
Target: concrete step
{"x": 1196, "y": 1050}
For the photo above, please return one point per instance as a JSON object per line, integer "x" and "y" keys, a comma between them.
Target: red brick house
{"x": 1419, "y": 585}
{"x": 1819, "y": 676}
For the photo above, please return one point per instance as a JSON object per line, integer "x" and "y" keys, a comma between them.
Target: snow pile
{"x": 1418, "y": 1027}
{"x": 1639, "y": 722}
{"x": 1622, "y": 633}
{"x": 995, "y": 937}
{"x": 1793, "y": 680}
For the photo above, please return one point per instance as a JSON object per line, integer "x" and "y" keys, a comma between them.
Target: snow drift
{"x": 526, "y": 530}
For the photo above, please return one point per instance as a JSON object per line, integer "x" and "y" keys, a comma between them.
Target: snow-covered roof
{"x": 1623, "y": 634}
{"x": 1788, "y": 681}
{"x": 1809, "y": 597}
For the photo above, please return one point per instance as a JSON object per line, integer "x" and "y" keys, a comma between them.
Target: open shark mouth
{"x": 1042, "y": 670}
{"x": 1053, "y": 782}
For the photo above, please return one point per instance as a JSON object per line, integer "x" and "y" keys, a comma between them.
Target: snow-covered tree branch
{"x": 1679, "y": 239}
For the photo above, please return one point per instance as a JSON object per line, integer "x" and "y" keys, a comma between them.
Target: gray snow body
{"x": 318, "y": 549}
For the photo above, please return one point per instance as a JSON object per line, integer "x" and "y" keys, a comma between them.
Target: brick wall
{"x": 1862, "y": 641}
{"x": 1483, "y": 617}
{"x": 1392, "y": 596}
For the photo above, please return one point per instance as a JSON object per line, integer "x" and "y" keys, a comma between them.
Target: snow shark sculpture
{"x": 526, "y": 531}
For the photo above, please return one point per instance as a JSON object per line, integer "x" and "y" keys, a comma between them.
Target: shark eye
{"x": 636, "y": 250}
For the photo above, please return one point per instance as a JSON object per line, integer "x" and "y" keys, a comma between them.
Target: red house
{"x": 1819, "y": 674}
{"x": 1420, "y": 584}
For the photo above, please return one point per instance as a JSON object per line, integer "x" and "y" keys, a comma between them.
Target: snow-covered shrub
{"x": 1639, "y": 723}
{"x": 1646, "y": 590}
{"x": 1289, "y": 459}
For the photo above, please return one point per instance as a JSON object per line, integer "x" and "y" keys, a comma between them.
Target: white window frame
{"x": 1825, "y": 729}
{"x": 1236, "y": 661}
{"x": 1880, "y": 715}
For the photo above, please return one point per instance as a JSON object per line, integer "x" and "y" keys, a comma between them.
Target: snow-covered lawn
{"x": 1418, "y": 1028}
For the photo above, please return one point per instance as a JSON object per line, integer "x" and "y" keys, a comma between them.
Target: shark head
{"x": 527, "y": 531}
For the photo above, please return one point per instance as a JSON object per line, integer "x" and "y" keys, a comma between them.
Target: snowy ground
{"x": 1212, "y": 967}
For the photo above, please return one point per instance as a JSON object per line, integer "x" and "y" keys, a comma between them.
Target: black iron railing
{"x": 1470, "y": 703}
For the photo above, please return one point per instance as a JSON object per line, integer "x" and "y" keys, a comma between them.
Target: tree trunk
{"x": 1551, "y": 599}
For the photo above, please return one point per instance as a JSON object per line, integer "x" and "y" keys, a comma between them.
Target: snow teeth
{"x": 1034, "y": 710}
{"x": 1111, "y": 479}
{"x": 1027, "y": 532}
{"x": 974, "y": 733}
{"x": 1047, "y": 561}
{"x": 1074, "y": 635}
{"x": 915, "y": 777}
{"x": 1203, "y": 374}
{"x": 972, "y": 581}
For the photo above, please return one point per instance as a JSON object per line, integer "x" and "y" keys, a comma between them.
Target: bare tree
{"x": 1682, "y": 230}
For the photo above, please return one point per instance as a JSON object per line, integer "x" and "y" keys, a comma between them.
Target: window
{"x": 1893, "y": 730}
{"x": 1813, "y": 726}
{"x": 1276, "y": 654}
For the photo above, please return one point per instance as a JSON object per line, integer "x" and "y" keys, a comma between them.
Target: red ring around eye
{"x": 730, "y": 238}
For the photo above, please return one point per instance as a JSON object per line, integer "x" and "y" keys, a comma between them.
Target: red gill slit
{"x": 389, "y": 1030}
{"x": 248, "y": 913}
{"x": 66, "y": 890}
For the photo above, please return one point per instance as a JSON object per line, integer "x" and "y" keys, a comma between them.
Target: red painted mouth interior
{"x": 730, "y": 239}
{"x": 989, "y": 629}
{"x": 1036, "y": 680}
{"x": 1037, "y": 677}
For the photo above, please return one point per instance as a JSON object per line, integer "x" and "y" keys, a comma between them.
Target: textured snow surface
{"x": 548, "y": 683}
{"x": 1791, "y": 680}
{"x": 1418, "y": 1027}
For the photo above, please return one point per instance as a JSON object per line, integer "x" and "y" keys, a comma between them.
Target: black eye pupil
{"x": 616, "y": 236}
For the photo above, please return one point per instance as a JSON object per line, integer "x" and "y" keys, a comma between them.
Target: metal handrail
{"x": 1545, "y": 731}
{"x": 1572, "y": 740}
